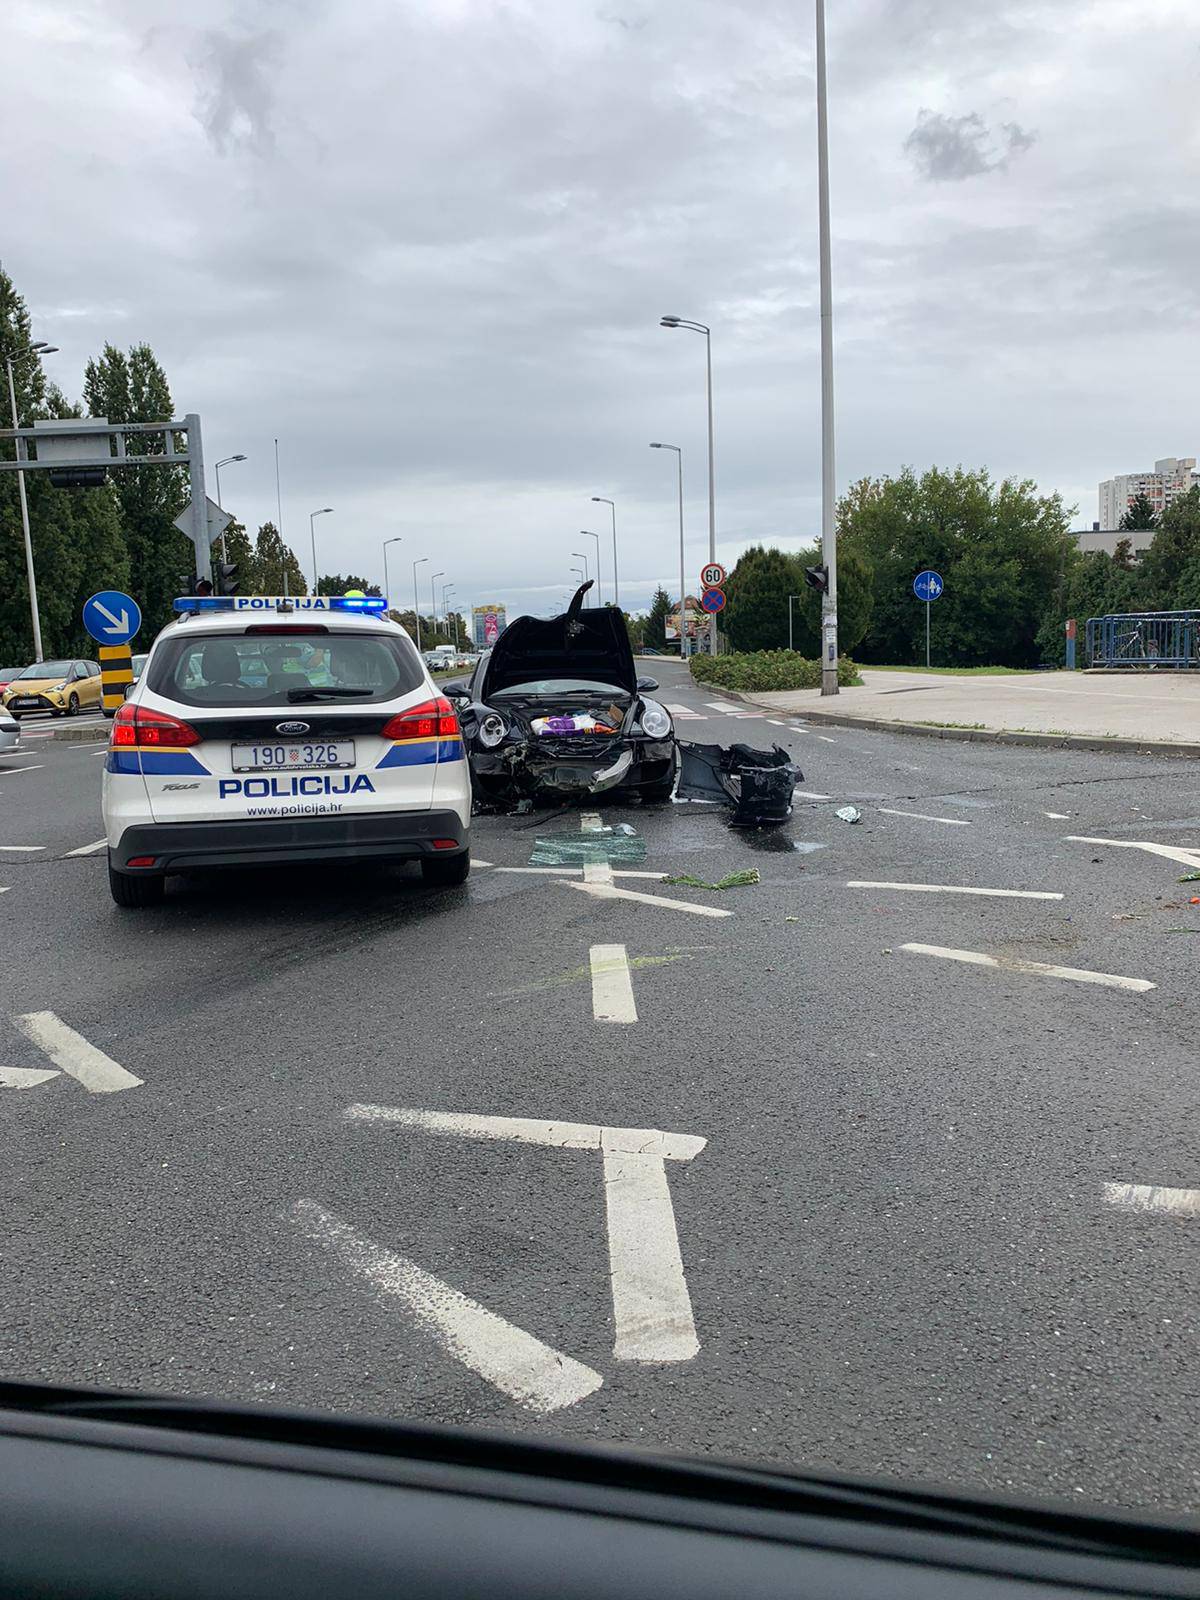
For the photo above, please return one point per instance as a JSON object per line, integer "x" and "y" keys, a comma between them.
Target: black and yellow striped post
{"x": 116, "y": 674}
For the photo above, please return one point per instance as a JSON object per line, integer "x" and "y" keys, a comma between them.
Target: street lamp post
{"x": 312, "y": 516}
{"x": 700, "y": 327}
{"x": 37, "y": 350}
{"x": 446, "y": 588}
{"x": 433, "y": 596}
{"x": 578, "y": 571}
{"x": 682, "y": 579}
{"x": 399, "y": 539}
{"x": 586, "y": 534}
{"x": 584, "y": 559}
{"x": 416, "y": 601}
{"x": 611, "y": 504}
{"x": 220, "y": 464}
{"x": 829, "y": 631}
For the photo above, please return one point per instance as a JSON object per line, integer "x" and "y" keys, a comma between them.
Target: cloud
{"x": 234, "y": 100}
{"x": 948, "y": 149}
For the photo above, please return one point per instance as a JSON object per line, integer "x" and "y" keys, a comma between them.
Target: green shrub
{"x": 770, "y": 670}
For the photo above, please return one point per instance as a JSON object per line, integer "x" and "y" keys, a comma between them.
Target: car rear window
{"x": 245, "y": 669}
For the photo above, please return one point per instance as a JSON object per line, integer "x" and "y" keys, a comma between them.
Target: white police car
{"x": 266, "y": 730}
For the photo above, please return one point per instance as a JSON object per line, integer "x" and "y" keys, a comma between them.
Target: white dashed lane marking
{"x": 71, "y": 1053}
{"x": 1042, "y": 969}
{"x": 609, "y": 891}
{"x": 1154, "y": 1197}
{"x": 612, "y": 986}
{"x": 919, "y": 816}
{"x": 951, "y": 888}
{"x": 532, "y": 1373}
{"x": 99, "y": 844}
{"x": 23, "y": 849}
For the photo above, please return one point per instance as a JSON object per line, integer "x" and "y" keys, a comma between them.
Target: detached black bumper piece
{"x": 757, "y": 783}
{"x": 266, "y": 841}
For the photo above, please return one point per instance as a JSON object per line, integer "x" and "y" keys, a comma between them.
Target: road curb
{"x": 79, "y": 735}
{"x": 1048, "y": 741}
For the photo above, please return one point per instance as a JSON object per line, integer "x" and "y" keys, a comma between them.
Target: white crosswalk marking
{"x": 727, "y": 709}
{"x": 685, "y": 713}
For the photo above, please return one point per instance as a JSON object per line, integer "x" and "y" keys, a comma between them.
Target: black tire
{"x": 134, "y": 890}
{"x": 445, "y": 871}
{"x": 73, "y": 705}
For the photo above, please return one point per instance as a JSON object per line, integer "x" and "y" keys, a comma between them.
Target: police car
{"x": 272, "y": 730}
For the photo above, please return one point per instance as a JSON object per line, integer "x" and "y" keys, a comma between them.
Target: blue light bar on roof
{"x": 371, "y": 603}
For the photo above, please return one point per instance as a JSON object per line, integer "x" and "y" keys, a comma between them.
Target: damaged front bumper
{"x": 758, "y": 784}
{"x": 540, "y": 767}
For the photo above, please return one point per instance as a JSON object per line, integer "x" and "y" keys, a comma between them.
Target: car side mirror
{"x": 456, "y": 689}
{"x": 646, "y": 685}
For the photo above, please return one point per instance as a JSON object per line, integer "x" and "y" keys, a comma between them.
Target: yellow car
{"x": 63, "y": 688}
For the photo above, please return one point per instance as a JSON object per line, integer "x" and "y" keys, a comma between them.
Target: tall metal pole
{"x": 416, "y": 600}
{"x": 927, "y": 605}
{"x": 612, "y": 506}
{"x": 829, "y": 638}
{"x": 279, "y": 516}
{"x": 683, "y": 644}
{"x": 387, "y": 587}
{"x": 712, "y": 491}
{"x": 433, "y": 596}
{"x": 200, "y": 539}
{"x": 34, "y": 615}
{"x": 584, "y": 559}
{"x": 586, "y": 533}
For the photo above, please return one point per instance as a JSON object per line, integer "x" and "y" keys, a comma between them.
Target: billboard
{"x": 487, "y": 624}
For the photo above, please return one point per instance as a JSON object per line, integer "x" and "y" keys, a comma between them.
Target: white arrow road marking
{"x": 88, "y": 849}
{"x": 72, "y": 1054}
{"x": 25, "y": 1077}
{"x": 1042, "y": 969}
{"x": 652, "y": 1309}
{"x": 115, "y": 624}
{"x": 953, "y": 888}
{"x": 1186, "y": 858}
{"x": 1154, "y": 1197}
{"x": 919, "y": 816}
{"x": 609, "y": 891}
{"x": 520, "y": 1366}
{"x": 612, "y": 986}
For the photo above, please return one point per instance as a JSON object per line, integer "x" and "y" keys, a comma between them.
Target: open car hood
{"x": 592, "y": 645}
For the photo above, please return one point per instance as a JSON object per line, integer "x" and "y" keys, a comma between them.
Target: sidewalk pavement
{"x": 1116, "y": 711}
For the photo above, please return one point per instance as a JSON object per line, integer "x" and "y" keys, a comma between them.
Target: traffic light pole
{"x": 829, "y": 638}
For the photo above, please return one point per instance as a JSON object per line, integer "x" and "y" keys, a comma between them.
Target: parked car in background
{"x": 63, "y": 688}
{"x": 7, "y": 674}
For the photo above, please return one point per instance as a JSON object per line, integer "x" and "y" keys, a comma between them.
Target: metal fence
{"x": 1145, "y": 640}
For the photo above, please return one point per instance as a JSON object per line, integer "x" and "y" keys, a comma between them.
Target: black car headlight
{"x": 656, "y": 720}
{"x": 491, "y": 730}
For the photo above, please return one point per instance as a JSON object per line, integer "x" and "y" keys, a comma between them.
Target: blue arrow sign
{"x": 112, "y": 617}
{"x": 928, "y": 585}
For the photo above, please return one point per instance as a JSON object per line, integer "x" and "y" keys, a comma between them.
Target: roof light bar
{"x": 371, "y": 603}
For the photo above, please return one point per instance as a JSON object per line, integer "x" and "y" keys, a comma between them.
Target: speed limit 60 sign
{"x": 712, "y": 576}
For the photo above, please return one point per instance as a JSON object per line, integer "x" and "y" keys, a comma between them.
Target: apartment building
{"x": 1172, "y": 476}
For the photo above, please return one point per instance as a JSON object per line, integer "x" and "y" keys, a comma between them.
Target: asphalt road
{"x": 898, "y": 1250}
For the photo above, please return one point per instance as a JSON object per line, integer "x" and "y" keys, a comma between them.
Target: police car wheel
{"x": 445, "y": 870}
{"x": 135, "y": 890}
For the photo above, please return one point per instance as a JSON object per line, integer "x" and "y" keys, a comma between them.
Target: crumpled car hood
{"x": 592, "y": 645}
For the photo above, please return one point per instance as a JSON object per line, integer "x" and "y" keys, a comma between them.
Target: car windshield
{"x": 401, "y": 1011}
{"x": 48, "y": 669}
{"x": 555, "y": 686}
{"x": 216, "y": 669}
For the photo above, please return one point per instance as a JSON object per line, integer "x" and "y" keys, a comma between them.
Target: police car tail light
{"x": 137, "y": 725}
{"x": 432, "y": 719}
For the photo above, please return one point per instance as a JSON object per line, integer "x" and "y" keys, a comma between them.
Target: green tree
{"x": 133, "y": 388}
{"x": 756, "y": 612}
{"x": 1139, "y": 515}
{"x": 334, "y": 583}
{"x": 1123, "y": 555}
{"x": 1001, "y": 548}
{"x": 855, "y": 602}
{"x": 1174, "y": 550}
{"x": 1093, "y": 585}
{"x": 655, "y": 633}
{"x": 276, "y": 567}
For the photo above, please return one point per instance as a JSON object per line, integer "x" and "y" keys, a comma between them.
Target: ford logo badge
{"x": 291, "y": 727}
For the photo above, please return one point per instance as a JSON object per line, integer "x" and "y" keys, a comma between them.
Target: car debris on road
{"x": 759, "y": 784}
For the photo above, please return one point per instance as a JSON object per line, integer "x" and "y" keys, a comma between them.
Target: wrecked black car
{"x": 556, "y": 709}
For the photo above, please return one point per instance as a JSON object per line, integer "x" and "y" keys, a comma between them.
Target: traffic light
{"x": 227, "y": 576}
{"x": 817, "y": 578}
{"x": 199, "y": 586}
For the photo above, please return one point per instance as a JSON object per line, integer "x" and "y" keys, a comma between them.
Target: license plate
{"x": 294, "y": 755}
{"x": 27, "y": 701}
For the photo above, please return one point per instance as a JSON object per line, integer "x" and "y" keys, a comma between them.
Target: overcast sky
{"x": 427, "y": 245}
